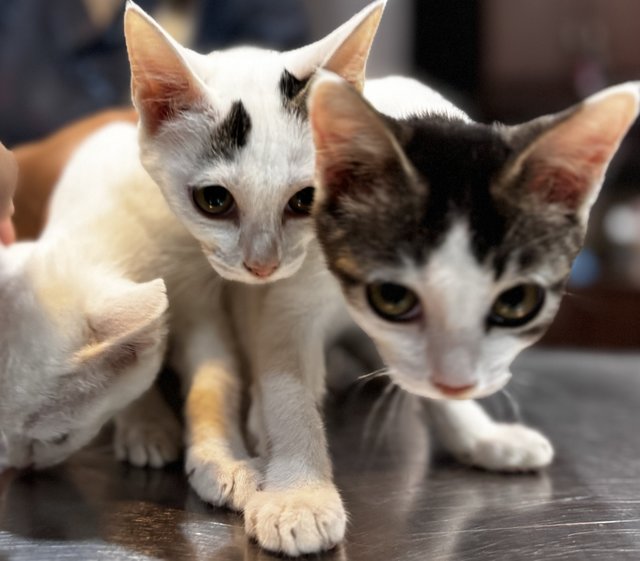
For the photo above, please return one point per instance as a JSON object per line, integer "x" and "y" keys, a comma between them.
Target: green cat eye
{"x": 213, "y": 200}
{"x": 517, "y": 306}
{"x": 393, "y": 302}
{"x": 302, "y": 201}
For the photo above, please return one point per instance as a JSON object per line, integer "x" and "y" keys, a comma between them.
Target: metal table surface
{"x": 407, "y": 500}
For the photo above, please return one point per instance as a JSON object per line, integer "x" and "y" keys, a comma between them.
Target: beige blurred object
{"x": 102, "y": 12}
{"x": 40, "y": 164}
{"x": 175, "y": 17}
{"x": 8, "y": 176}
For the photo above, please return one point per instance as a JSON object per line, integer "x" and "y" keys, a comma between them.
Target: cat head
{"x": 77, "y": 346}
{"x": 453, "y": 240}
{"x": 226, "y": 138}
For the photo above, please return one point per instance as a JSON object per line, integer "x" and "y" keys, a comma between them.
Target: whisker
{"x": 373, "y": 414}
{"x": 516, "y": 413}
{"x": 375, "y": 374}
{"x": 358, "y": 385}
{"x": 390, "y": 418}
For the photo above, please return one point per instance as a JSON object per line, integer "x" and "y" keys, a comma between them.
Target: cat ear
{"x": 350, "y": 137}
{"x": 564, "y": 164}
{"x": 162, "y": 84}
{"x": 125, "y": 323}
{"x": 344, "y": 51}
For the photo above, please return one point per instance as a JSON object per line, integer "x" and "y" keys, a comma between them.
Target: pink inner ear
{"x": 566, "y": 165}
{"x": 161, "y": 98}
{"x": 567, "y": 181}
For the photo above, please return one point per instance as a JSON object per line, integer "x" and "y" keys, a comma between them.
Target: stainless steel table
{"x": 407, "y": 499}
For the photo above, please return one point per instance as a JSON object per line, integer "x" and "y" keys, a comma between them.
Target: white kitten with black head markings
{"x": 80, "y": 343}
{"x": 225, "y": 137}
{"x": 452, "y": 240}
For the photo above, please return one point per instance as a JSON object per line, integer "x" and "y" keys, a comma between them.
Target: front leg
{"x": 217, "y": 462}
{"x": 473, "y": 437}
{"x": 299, "y": 509}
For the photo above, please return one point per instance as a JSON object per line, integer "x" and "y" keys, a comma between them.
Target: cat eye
{"x": 393, "y": 302}
{"x": 302, "y": 201}
{"x": 517, "y": 306}
{"x": 213, "y": 200}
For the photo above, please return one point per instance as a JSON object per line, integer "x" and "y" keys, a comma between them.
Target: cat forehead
{"x": 260, "y": 135}
{"x": 249, "y": 74}
{"x": 397, "y": 218}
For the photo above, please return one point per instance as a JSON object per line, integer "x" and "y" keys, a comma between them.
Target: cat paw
{"x": 511, "y": 448}
{"x": 148, "y": 442}
{"x": 222, "y": 483}
{"x": 296, "y": 521}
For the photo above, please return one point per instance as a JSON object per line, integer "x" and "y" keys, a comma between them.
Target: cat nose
{"x": 261, "y": 270}
{"x": 453, "y": 391}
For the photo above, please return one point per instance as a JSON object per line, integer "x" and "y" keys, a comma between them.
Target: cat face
{"x": 226, "y": 138}
{"x": 453, "y": 240}
{"x": 79, "y": 345}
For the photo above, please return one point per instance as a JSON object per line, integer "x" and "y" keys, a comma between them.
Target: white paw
{"x": 148, "y": 442}
{"x": 227, "y": 483}
{"x": 511, "y": 447}
{"x": 296, "y": 521}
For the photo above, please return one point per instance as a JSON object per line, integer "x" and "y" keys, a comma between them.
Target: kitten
{"x": 81, "y": 341}
{"x": 452, "y": 241}
{"x": 225, "y": 137}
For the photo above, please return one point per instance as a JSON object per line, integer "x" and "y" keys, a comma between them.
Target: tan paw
{"x": 297, "y": 521}
{"x": 227, "y": 483}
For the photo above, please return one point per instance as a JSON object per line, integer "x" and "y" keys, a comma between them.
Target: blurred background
{"x": 507, "y": 60}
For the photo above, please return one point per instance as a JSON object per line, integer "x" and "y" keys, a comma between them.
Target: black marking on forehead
{"x": 231, "y": 134}
{"x": 390, "y": 216}
{"x": 293, "y": 93}
{"x": 460, "y": 162}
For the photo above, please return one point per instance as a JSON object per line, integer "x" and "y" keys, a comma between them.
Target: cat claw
{"x": 229, "y": 484}
{"x": 510, "y": 448}
{"x": 296, "y": 521}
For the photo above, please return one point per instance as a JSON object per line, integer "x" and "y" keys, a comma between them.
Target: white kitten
{"x": 79, "y": 342}
{"x": 226, "y": 139}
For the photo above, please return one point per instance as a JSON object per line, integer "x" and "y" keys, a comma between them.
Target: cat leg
{"x": 218, "y": 465}
{"x": 473, "y": 437}
{"x": 147, "y": 432}
{"x": 298, "y": 510}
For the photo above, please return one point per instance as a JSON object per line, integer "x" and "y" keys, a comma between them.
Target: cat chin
{"x": 427, "y": 390}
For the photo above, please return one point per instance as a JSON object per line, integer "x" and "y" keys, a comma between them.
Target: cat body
{"x": 83, "y": 339}
{"x": 225, "y": 138}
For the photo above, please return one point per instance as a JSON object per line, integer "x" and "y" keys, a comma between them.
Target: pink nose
{"x": 453, "y": 391}
{"x": 261, "y": 271}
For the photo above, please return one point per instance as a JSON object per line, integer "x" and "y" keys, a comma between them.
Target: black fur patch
{"x": 231, "y": 134}
{"x": 293, "y": 93}
{"x": 387, "y": 216}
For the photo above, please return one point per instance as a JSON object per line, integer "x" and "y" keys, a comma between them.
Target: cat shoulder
{"x": 400, "y": 97}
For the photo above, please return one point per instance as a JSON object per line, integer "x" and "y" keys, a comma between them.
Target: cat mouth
{"x": 241, "y": 274}
{"x": 425, "y": 388}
